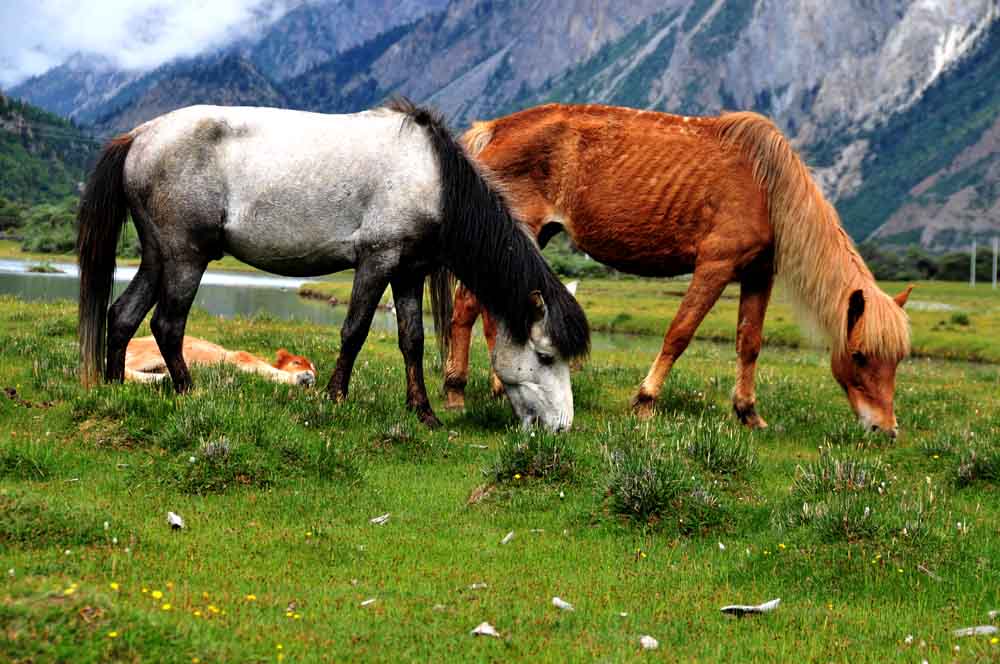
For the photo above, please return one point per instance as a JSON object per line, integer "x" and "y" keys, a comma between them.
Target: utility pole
{"x": 996, "y": 250}
{"x": 972, "y": 266}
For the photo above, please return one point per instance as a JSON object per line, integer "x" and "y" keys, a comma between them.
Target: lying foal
{"x": 144, "y": 364}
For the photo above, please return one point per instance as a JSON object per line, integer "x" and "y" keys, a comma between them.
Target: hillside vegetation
{"x": 42, "y": 156}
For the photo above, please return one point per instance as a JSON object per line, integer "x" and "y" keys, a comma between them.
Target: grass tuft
{"x": 535, "y": 453}
{"x": 651, "y": 484}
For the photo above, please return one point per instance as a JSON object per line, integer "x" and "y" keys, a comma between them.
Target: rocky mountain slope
{"x": 894, "y": 102}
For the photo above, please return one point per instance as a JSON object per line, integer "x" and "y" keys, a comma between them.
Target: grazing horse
{"x": 145, "y": 364}
{"x": 724, "y": 198}
{"x": 388, "y": 192}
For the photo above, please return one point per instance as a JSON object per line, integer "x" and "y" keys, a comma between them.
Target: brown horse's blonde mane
{"x": 815, "y": 258}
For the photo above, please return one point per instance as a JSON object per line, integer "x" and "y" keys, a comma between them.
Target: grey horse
{"x": 388, "y": 192}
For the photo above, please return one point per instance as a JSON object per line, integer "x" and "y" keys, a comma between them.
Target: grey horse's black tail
{"x": 442, "y": 282}
{"x": 103, "y": 211}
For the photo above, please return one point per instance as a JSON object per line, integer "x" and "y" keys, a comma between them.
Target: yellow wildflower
{"x": 204, "y": 595}
{"x": 213, "y": 608}
{"x": 112, "y": 634}
{"x": 69, "y": 591}
{"x": 113, "y": 585}
{"x": 166, "y": 606}
{"x": 781, "y": 545}
{"x": 197, "y": 613}
{"x": 156, "y": 594}
{"x": 279, "y": 647}
{"x": 297, "y": 616}
{"x": 251, "y": 598}
{"x": 145, "y": 590}
{"x": 517, "y": 476}
{"x": 288, "y": 614}
{"x": 994, "y": 640}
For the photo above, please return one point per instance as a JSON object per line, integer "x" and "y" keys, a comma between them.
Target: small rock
{"x": 740, "y": 610}
{"x": 368, "y": 602}
{"x": 479, "y": 585}
{"x": 379, "y": 520}
{"x": 978, "y": 630}
{"x": 623, "y": 614}
{"x": 175, "y": 521}
{"x": 648, "y": 642}
{"x": 485, "y": 629}
{"x": 562, "y": 604}
{"x": 507, "y": 538}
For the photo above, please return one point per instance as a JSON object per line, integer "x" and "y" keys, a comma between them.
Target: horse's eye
{"x": 546, "y": 360}
{"x": 859, "y": 358}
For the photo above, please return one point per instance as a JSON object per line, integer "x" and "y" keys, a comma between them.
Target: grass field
{"x": 646, "y": 528}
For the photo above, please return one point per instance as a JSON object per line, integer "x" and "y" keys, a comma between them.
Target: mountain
{"x": 893, "y": 102}
{"x": 42, "y": 156}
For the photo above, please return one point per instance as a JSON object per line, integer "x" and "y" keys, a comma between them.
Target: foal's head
{"x": 302, "y": 370}
{"x": 868, "y": 372}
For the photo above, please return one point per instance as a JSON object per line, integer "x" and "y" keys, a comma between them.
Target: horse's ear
{"x": 538, "y": 309}
{"x": 903, "y": 297}
{"x": 855, "y": 309}
{"x": 282, "y": 355}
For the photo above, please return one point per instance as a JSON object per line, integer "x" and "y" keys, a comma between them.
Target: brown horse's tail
{"x": 103, "y": 209}
{"x": 814, "y": 257}
{"x": 441, "y": 284}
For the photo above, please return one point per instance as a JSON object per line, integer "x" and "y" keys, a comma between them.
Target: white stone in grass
{"x": 479, "y": 585}
{"x": 740, "y": 610}
{"x": 562, "y": 604}
{"x": 379, "y": 520}
{"x": 368, "y": 602}
{"x": 175, "y": 521}
{"x": 648, "y": 642}
{"x": 978, "y": 630}
{"x": 485, "y": 629}
{"x": 623, "y": 614}
{"x": 507, "y": 538}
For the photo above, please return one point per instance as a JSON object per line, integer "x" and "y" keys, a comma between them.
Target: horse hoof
{"x": 454, "y": 400}
{"x": 430, "y": 420}
{"x": 643, "y": 407}
{"x": 749, "y": 417}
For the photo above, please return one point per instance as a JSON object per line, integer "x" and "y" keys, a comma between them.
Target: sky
{"x": 134, "y": 34}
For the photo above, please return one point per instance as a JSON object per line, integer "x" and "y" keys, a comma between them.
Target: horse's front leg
{"x": 408, "y": 293}
{"x": 370, "y": 281}
{"x": 755, "y": 293}
{"x": 709, "y": 280}
{"x": 456, "y": 373}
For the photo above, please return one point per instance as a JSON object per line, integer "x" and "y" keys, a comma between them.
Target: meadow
{"x": 878, "y": 549}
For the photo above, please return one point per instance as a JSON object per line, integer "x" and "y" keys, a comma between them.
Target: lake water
{"x": 225, "y": 294}
{"x": 230, "y": 294}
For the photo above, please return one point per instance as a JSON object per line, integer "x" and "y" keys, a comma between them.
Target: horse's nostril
{"x": 873, "y": 428}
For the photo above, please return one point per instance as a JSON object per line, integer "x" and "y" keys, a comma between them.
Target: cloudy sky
{"x": 40, "y": 34}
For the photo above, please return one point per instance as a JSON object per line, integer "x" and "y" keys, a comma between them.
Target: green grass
{"x": 277, "y": 486}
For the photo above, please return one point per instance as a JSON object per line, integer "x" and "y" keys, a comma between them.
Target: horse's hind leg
{"x": 755, "y": 292}
{"x": 127, "y": 313}
{"x": 408, "y": 292}
{"x": 709, "y": 280}
{"x": 178, "y": 287}
{"x": 456, "y": 373}
{"x": 370, "y": 281}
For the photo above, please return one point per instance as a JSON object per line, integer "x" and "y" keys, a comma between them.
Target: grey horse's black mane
{"x": 489, "y": 252}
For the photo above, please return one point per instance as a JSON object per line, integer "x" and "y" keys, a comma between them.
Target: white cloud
{"x": 133, "y": 34}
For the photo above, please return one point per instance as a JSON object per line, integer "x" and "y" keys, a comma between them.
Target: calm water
{"x": 230, "y": 294}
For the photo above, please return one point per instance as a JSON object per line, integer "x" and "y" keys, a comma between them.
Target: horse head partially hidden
{"x": 302, "y": 370}
{"x": 865, "y": 371}
{"x": 535, "y": 375}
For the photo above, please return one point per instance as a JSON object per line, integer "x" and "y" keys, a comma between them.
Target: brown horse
{"x": 724, "y": 198}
